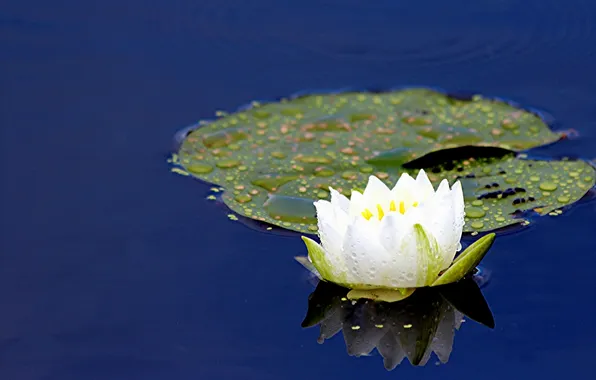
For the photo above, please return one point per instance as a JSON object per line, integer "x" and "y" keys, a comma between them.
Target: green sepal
{"x": 318, "y": 259}
{"x": 428, "y": 254}
{"x": 466, "y": 261}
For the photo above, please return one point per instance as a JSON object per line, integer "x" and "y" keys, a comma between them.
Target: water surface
{"x": 111, "y": 267}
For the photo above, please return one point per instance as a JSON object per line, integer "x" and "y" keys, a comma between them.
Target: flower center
{"x": 367, "y": 214}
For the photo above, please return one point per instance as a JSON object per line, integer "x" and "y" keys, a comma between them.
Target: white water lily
{"x": 388, "y": 238}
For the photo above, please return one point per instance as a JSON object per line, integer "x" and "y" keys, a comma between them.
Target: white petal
{"x": 439, "y": 219}
{"x": 376, "y": 190}
{"x": 443, "y": 188}
{"x": 418, "y": 260}
{"x": 425, "y": 187}
{"x": 339, "y": 200}
{"x": 363, "y": 253}
{"x": 417, "y": 214}
{"x": 404, "y": 184}
{"x": 393, "y": 228}
{"x": 341, "y": 221}
{"x": 325, "y": 214}
{"x": 458, "y": 208}
{"x": 356, "y": 204}
{"x": 457, "y": 199}
{"x": 406, "y": 190}
{"x": 331, "y": 238}
{"x": 341, "y": 206}
{"x": 402, "y": 267}
{"x": 376, "y": 194}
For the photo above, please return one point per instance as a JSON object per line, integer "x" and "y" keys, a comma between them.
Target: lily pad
{"x": 275, "y": 159}
{"x": 498, "y": 192}
{"x": 400, "y": 125}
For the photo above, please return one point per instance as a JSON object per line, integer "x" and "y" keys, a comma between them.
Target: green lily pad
{"x": 498, "y": 192}
{"x": 367, "y": 127}
{"x": 275, "y": 159}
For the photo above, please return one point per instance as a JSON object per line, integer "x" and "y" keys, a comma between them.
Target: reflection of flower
{"x": 412, "y": 328}
{"x": 388, "y": 238}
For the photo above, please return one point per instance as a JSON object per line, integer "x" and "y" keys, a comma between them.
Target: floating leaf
{"x": 275, "y": 159}
{"x": 498, "y": 192}
{"x": 370, "y": 126}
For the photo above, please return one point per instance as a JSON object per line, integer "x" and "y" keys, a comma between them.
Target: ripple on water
{"x": 426, "y": 32}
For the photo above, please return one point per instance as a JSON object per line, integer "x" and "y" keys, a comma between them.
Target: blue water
{"x": 112, "y": 267}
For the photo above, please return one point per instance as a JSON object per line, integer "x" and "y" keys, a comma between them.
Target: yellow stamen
{"x": 392, "y": 206}
{"x": 367, "y": 214}
{"x": 415, "y": 204}
{"x": 380, "y": 211}
{"x": 402, "y": 207}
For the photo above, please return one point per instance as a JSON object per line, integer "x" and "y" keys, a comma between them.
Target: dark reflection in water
{"x": 413, "y": 328}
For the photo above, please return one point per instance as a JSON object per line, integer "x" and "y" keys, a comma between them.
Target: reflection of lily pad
{"x": 275, "y": 159}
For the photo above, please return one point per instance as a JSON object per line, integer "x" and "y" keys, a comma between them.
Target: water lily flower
{"x": 382, "y": 238}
